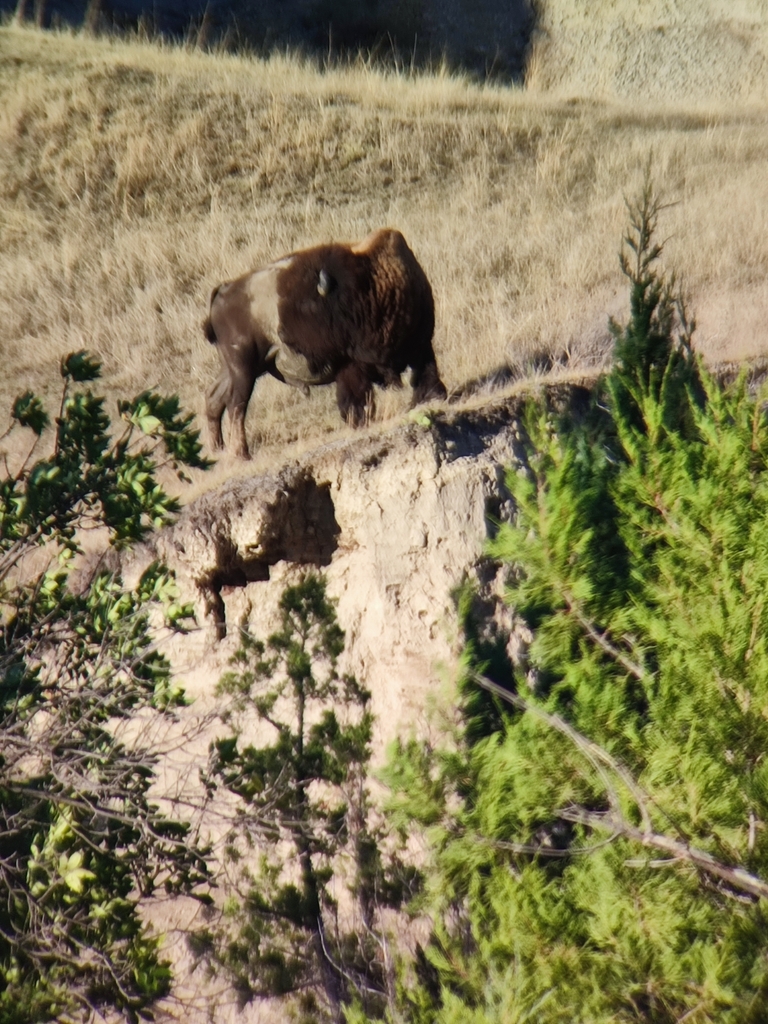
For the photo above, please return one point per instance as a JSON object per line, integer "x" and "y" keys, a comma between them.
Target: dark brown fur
{"x": 359, "y": 315}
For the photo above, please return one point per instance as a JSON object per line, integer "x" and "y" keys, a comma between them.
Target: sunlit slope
{"x": 134, "y": 178}
{"x": 694, "y": 50}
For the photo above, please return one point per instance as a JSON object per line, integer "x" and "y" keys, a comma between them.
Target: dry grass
{"x": 134, "y": 177}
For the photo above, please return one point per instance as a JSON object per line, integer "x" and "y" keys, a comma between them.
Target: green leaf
{"x": 78, "y": 821}
{"x": 80, "y": 367}
{"x": 29, "y": 412}
{"x": 148, "y": 424}
{"x": 76, "y": 879}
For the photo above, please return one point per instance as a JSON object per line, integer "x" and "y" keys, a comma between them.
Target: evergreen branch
{"x": 592, "y": 751}
{"x": 602, "y": 640}
{"x": 614, "y": 820}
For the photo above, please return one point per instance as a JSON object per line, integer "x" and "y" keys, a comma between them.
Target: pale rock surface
{"x": 657, "y": 51}
{"x": 396, "y": 521}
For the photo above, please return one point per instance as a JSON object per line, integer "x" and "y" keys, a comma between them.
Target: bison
{"x": 358, "y": 315}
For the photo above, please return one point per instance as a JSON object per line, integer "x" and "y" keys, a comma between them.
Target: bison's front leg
{"x": 426, "y": 383}
{"x": 354, "y": 395}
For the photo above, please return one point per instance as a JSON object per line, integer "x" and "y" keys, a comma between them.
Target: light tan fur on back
{"x": 261, "y": 287}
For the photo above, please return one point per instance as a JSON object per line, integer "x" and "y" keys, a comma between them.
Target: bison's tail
{"x": 208, "y": 331}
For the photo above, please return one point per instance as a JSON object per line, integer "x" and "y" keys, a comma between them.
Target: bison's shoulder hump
{"x": 382, "y": 240}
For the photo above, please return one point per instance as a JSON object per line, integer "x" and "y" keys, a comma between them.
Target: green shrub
{"x": 303, "y": 806}
{"x": 81, "y": 843}
{"x": 598, "y": 839}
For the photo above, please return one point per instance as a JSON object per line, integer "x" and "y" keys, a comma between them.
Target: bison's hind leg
{"x": 390, "y": 378}
{"x": 215, "y": 403}
{"x": 426, "y": 383}
{"x": 233, "y": 394}
{"x": 354, "y": 395}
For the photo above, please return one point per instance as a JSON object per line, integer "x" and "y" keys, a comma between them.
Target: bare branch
{"x": 735, "y": 876}
{"x": 602, "y": 641}
{"x": 539, "y": 850}
{"x": 613, "y": 820}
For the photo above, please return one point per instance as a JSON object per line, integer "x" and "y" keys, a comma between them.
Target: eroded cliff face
{"x": 396, "y": 521}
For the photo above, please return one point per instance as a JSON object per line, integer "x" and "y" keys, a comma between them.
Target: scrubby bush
{"x": 304, "y": 810}
{"x": 81, "y": 841}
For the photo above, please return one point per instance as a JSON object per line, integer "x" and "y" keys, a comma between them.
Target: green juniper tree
{"x": 81, "y": 842}
{"x": 305, "y": 811}
{"x": 599, "y": 833}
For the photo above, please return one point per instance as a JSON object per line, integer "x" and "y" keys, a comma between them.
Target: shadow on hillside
{"x": 538, "y": 365}
{"x": 489, "y": 38}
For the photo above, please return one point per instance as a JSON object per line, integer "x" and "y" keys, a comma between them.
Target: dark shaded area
{"x": 488, "y": 37}
{"x": 470, "y": 434}
{"x": 485, "y": 645}
{"x": 299, "y": 527}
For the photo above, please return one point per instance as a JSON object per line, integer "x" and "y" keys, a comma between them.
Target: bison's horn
{"x": 324, "y": 282}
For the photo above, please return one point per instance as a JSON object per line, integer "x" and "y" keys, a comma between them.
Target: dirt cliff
{"x": 396, "y": 520}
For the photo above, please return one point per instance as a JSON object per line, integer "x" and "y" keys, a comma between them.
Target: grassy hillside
{"x": 135, "y": 177}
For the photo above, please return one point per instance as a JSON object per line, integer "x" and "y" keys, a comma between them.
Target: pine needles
{"x": 601, "y": 852}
